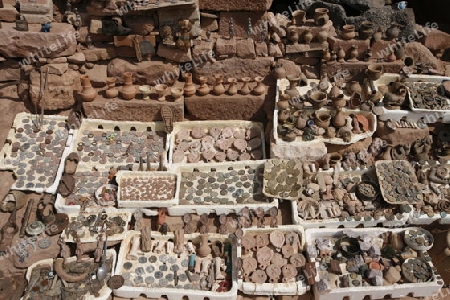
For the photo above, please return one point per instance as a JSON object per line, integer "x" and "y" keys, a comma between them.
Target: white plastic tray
{"x": 374, "y": 292}
{"x": 172, "y": 293}
{"x": 291, "y": 288}
{"x": 121, "y": 175}
{"x": 211, "y": 207}
{"x": 238, "y": 124}
{"x": 105, "y": 291}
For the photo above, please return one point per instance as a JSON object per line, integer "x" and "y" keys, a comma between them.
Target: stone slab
{"x": 131, "y": 110}
{"x": 97, "y": 75}
{"x": 245, "y": 48}
{"x": 235, "y": 5}
{"x": 401, "y": 135}
{"x": 9, "y": 74}
{"x": 226, "y": 107}
{"x": 8, "y": 14}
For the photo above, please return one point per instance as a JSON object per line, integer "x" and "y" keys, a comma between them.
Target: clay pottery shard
{"x": 262, "y": 239}
{"x": 232, "y": 154}
{"x": 257, "y": 154}
{"x": 220, "y": 156}
{"x": 244, "y": 156}
{"x": 208, "y": 155}
{"x": 274, "y": 272}
{"x": 248, "y": 242}
{"x": 215, "y": 132}
{"x": 207, "y": 142}
{"x": 322, "y": 119}
{"x": 252, "y": 133}
{"x": 249, "y": 264}
{"x": 363, "y": 121}
{"x": 239, "y": 133}
{"x": 182, "y": 135}
{"x": 198, "y": 132}
{"x": 240, "y": 144}
{"x": 193, "y": 157}
{"x": 183, "y": 146}
{"x": 254, "y": 143}
{"x": 222, "y": 144}
{"x": 277, "y": 239}
{"x": 287, "y": 251}
{"x": 264, "y": 256}
{"x": 226, "y": 133}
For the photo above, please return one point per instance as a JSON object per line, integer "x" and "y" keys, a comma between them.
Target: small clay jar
{"x": 299, "y": 17}
{"x": 88, "y": 93}
{"x": 203, "y": 89}
{"x": 189, "y": 87}
{"x": 204, "y": 249}
{"x": 279, "y": 71}
{"x": 307, "y": 36}
{"x": 378, "y": 35}
{"x": 354, "y": 87}
{"x": 245, "y": 89}
{"x": 399, "y": 51}
{"x": 324, "y": 83}
{"x": 317, "y": 99}
{"x": 283, "y": 101}
{"x": 391, "y": 57}
{"x": 322, "y": 119}
{"x": 111, "y": 92}
{"x": 292, "y": 91}
{"x": 293, "y": 35}
{"x": 393, "y": 32}
{"x": 339, "y": 101}
{"x": 218, "y": 88}
{"x": 334, "y": 91}
{"x": 290, "y": 137}
{"x": 348, "y": 32}
{"x": 260, "y": 88}
{"x": 322, "y": 36}
{"x": 339, "y": 119}
{"x": 341, "y": 54}
{"x": 374, "y": 71}
{"x": 301, "y": 122}
{"x": 321, "y": 16}
{"x": 326, "y": 56}
{"x": 232, "y": 88}
{"x": 128, "y": 91}
{"x": 354, "y": 54}
{"x": 355, "y": 101}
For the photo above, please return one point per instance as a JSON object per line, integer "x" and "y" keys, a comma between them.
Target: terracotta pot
{"x": 283, "y": 101}
{"x": 204, "y": 89}
{"x": 354, "y": 54}
{"x": 279, "y": 71}
{"x": 366, "y": 30}
{"x": 322, "y": 119}
{"x": 378, "y": 35}
{"x": 204, "y": 249}
{"x": 354, "y": 87}
{"x": 335, "y": 158}
{"x": 321, "y": 16}
{"x": 111, "y": 92}
{"x": 334, "y": 91}
{"x": 291, "y": 136}
{"x": 374, "y": 71}
{"x": 232, "y": 89}
{"x": 348, "y": 32}
{"x": 326, "y": 55}
{"x": 391, "y": 57}
{"x": 299, "y": 17}
{"x": 189, "y": 87}
{"x": 176, "y": 93}
{"x": 355, "y": 101}
{"x": 341, "y": 55}
{"x": 292, "y": 91}
{"x": 322, "y": 36}
{"x": 245, "y": 89}
{"x": 218, "y": 88}
{"x": 293, "y": 35}
{"x": 393, "y": 32}
{"x": 283, "y": 115}
{"x": 339, "y": 118}
{"x": 307, "y": 36}
{"x": 128, "y": 91}
{"x": 339, "y": 101}
{"x": 260, "y": 88}
{"x": 160, "y": 89}
{"x": 317, "y": 99}
{"x": 88, "y": 93}
{"x": 324, "y": 83}
{"x": 301, "y": 122}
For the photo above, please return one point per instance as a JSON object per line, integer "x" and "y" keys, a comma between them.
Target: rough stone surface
{"x": 437, "y": 40}
{"x": 401, "y": 135}
{"x": 234, "y": 67}
{"x": 208, "y": 22}
{"x": 245, "y": 48}
{"x": 171, "y": 16}
{"x": 290, "y": 67}
{"x": 131, "y": 110}
{"x": 145, "y": 72}
{"x": 59, "y": 94}
{"x": 97, "y": 75}
{"x": 15, "y": 43}
{"x": 57, "y": 60}
{"x": 38, "y": 12}
{"x": 8, "y": 14}
{"x": 173, "y": 53}
{"x": 274, "y": 50}
{"x": 308, "y": 151}
{"x": 9, "y": 74}
{"x": 225, "y": 47}
{"x": 141, "y": 25}
{"x": 261, "y": 49}
{"x": 240, "y": 23}
{"x": 58, "y": 69}
{"x": 420, "y": 53}
{"x": 97, "y": 54}
{"x": 202, "y": 50}
{"x": 356, "y": 70}
{"x": 236, "y": 5}
{"x": 363, "y": 45}
{"x": 225, "y": 107}
{"x": 77, "y": 58}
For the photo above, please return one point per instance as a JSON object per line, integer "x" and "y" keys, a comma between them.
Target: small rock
{"x": 82, "y": 70}
{"x": 89, "y": 65}
{"x": 77, "y": 58}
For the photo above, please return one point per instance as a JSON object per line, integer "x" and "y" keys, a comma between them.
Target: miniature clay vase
{"x": 260, "y": 88}
{"x": 111, "y": 92}
{"x": 366, "y": 30}
{"x": 324, "y": 83}
{"x": 341, "y": 54}
{"x": 189, "y": 87}
{"x": 353, "y": 54}
{"x": 321, "y": 16}
{"x": 176, "y": 93}
{"x": 245, "y": 89}
{"x": 203, "y": 89}
{"x": 293, "y": 35}
{"x": 301, "y": 122}
{"x": 374, "y": 71}
{"x": 307, "y": 36}
{"x": 88, "y": 93}
{"x": 218, "y": 88}
{"x": 378, "y": 35}
{"x": 160, "y": 89}
{"x": 204, "y": 250}
{"x": 299, "y": 17}
{"x": 232, "y": 88}
{"x": 339, "y": 118}
{"x": 326, "y": 55}
{"x": 284, "y": 115}
{"x": 322, "y": 36}
{"x": 290, "y": 137}
{"x": 334, "y": 91}
{"x": 391, "y": 57}
{"x": 333, "y": 57}
{"x": 355, "y": 101}
{"x": 322, "y": 119}
{"x": 317, "y": 99}
{"x": 393, "y": 32}
{"x": 283, "y": 101}
{"x": 348, "y": 32}
{"x": 279, "y": 71}
{"x": 128, "y": 91}
{"x": 339, "y": 101}
{"x": 292, "y": 91}
{"x": 354, "y": 87}
{"x": 145, "y": 91}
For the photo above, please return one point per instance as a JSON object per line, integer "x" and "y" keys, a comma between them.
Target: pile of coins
{"x": 398, "y": 182}
{"x": 425, "y": 96}
{"x": 283, "y": 178}
{"x": 416, "y": 270}
{"x": 148, "y": 188}
{"x": 36, "y": 153}
{"x": 119, "y": 147}
{"x": 243, "y": 185}
{"x": 86, "y": 183}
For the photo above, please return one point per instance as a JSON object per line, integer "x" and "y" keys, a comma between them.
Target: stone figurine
{"x": 184, "y": 35}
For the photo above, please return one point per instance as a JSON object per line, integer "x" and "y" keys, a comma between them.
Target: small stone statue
{"x": 231, "y": 28}
{"x": 164, "y": 229}
{"x": 167, "y": 35}
{"x": 146, "y": 238}
{"x": 187, "y": 218}
{"x": 99, "y": 249}
{"x": 179, "y": 241}
{"x": 79, "y": 252}
{"x": 184, "y": 35}
{"x": 204, "y": 223}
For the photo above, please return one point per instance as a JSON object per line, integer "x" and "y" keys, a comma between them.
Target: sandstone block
{"x": 275, "y": 51}
{"x": 145, "y": 72}
{"x": 98, "y": 75}
{"x": 421, "y": 54}
{"x": 77, "y": 58}
{"x": 437, "y": 40}
{"x": 57, "y": 69}
{"x": 245, "y": 48}
{"x": 173, "y": 53}
{"x": 8, "y": 14}
{"x": 57, "y": 60}
{"x": 225, "y": 47}
{"x": 236, "y": 5}
{"x": 100, "y": 54}
{"x": 9, "y": 74}
{"x": 261, "y": 49}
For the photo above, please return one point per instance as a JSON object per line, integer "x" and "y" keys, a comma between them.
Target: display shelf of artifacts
{"x": 177, "y": 265}
{"x": 221, "y": 188}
